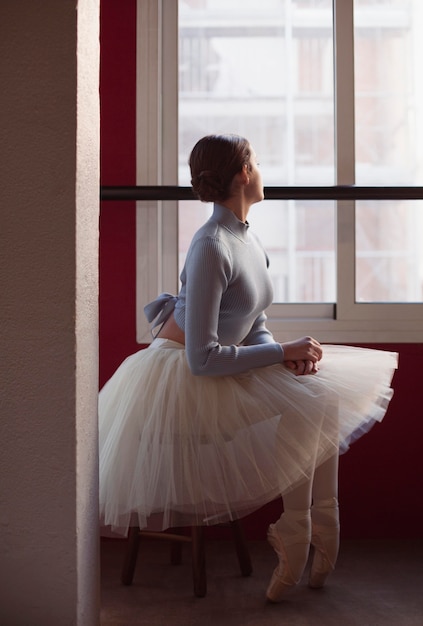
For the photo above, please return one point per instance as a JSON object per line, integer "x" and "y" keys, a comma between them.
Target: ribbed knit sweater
{"x": 225, "y": 288}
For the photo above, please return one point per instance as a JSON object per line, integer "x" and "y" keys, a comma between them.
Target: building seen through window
{"x": 266, "y": 71}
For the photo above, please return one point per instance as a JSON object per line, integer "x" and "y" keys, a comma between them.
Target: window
{"x": 342, "y": 271}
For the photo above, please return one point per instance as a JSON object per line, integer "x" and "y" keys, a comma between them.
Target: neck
{"x": 239, "y": 207}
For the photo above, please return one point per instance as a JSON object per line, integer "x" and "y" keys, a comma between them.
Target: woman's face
{"x": 255, "y": 186}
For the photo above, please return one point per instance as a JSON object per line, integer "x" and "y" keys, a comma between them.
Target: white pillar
{"x": 49, "y": 170}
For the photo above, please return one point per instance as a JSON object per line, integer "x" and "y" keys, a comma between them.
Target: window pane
{"x": 389, "y": 265}
{"x": 389, "y": 118}
{"x": 266, "y": 75}
{"x": 301, "y": 263}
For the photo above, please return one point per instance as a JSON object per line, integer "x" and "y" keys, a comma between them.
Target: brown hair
{"x": 214, "y": 161}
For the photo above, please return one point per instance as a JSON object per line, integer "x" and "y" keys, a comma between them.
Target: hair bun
{"x": 208, "y": 185}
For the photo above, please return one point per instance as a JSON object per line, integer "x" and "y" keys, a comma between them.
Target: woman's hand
{"x": 302, "y": 368}
{"x": 302, "y": 355}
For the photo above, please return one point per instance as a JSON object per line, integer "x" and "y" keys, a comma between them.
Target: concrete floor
{"x": 376, "y": 583}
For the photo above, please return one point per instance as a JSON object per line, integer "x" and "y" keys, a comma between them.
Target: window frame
{"x": 345, "y": 321}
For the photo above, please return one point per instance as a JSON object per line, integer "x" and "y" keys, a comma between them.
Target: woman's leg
{"x": 325, "y": 521}
{"x": 290, "y": 537}
{"x": 325, "y": 480}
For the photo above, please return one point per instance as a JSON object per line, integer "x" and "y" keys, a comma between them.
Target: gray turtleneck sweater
{"x": 220, "y": 307}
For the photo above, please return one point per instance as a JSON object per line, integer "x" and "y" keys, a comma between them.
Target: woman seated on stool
{"x": 215, "y": 418}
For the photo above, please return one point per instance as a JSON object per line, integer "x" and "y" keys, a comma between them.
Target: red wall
{"x": 381, "y": 477}
{"x": 117, "y": 219}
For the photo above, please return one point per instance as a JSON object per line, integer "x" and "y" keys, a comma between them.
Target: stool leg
{"x": 130, "y": 556}
{"x": 199, "y": 561}
{"x": 241, "y": 548}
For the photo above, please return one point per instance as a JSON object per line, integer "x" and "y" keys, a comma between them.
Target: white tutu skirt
{"x": 178, "y": 449}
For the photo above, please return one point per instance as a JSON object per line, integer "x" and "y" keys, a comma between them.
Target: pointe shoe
{"x": 325, "y": 541}
{"x": 292, "y": 550}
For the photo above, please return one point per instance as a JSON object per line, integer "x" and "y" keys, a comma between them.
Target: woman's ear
{"x": 245, "y": 174}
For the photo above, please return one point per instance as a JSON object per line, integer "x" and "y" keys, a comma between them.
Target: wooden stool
{"x": 197, "y": 541}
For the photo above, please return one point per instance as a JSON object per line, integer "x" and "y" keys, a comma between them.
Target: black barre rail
{"x": 340, "y": 192}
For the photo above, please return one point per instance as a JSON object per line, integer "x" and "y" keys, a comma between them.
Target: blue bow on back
{"x": 158, "y": 311}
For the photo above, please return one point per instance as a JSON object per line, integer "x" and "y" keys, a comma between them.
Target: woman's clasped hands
{"x": 302, "y": 355}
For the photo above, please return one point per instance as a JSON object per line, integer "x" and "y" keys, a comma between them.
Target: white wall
{"x": 49, "y": 180}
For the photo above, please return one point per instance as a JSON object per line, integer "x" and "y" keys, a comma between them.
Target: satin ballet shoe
{"x": 292, "y": 549}
{"x": 325, "y": 541}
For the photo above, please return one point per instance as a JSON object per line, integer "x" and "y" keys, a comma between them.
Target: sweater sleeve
{"x": 259, "y": 333}
{"x": 208, "y": 273}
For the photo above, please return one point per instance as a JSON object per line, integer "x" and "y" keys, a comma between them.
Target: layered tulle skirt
{"x": 178, "y": 449}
